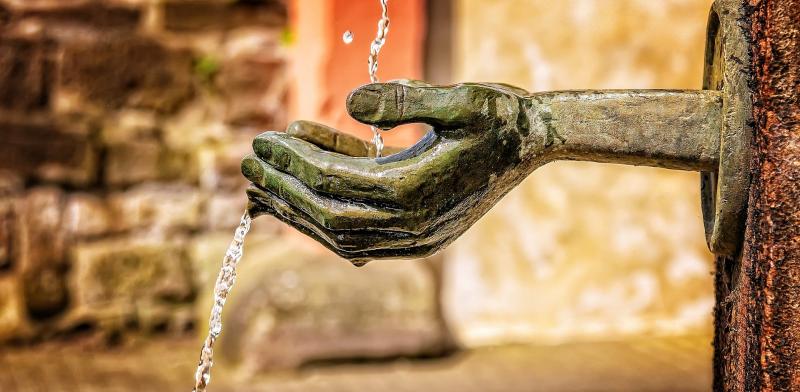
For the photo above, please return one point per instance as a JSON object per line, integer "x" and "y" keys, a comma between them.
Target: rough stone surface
{"x": 13, "y": 318}
{"x": 41, "y": 243}
{"x": 156, "y": 207}
{"x": 7, "y": 232}
{"x": 69, "y": 159}
{"x": 116, "y": 281}
{"x": 109, "y": 110}
{"x": 143, "y": 161}
{"x": 25, "y": 71}
{"x": 129, "y": 124}
{"x": 102, "y": 73}
{"x": 86, "y": 215}
{"x": 291, "y": 307}
{"x": 250, "y": 76}
{"x": 224, "y": 210}
{"x": 70, "y": 21}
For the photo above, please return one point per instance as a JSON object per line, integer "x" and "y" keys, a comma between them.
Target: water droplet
{"x": 378, "y": 141}
{"x": 347, "y": 37}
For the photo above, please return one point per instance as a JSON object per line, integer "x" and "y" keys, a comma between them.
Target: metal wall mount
{"x": 724, "y": 193}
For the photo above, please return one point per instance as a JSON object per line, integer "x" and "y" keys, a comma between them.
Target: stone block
{"x": 192, "y": 15}
{"x": 129, "y": 125}
{"x": 195, "y": 125}
{"x": 141, "y": 161}
{"x": 223, "y": 211}
{"x": 219, "y": 166}
{"x": 40, "y": 149}
{"x": 74, "y": 20}
{"x": 41, "y": 243}
{"x": 5, "y": 15}
{"x": 253, "y": 78}
{"x": 126, "y": 70}
{"x": 116, "y": 280}
{"x": 11, "y": 183}
{"x": 86, "y": 215}
{"x": 255, "y": 91}
{"x": 13, "y": 319}
{"x": 291, "y": 307}
{"x": 8, "y": 223}
{"x": 156, "y": 207}
{"x": 132, "y": 162}
{"x": 26, "y": 72}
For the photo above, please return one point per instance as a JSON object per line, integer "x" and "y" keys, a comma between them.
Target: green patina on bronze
{"x": 486, "y": 139}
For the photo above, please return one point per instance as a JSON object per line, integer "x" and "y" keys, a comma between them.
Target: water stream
{"x": 224, "y": 283}
{"x": 374, "y": 49}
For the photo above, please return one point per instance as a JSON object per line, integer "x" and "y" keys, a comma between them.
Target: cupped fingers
{"x": 333, "y": 174}
{"x": 328, "y": 212}
{"x": 358, "y": 246}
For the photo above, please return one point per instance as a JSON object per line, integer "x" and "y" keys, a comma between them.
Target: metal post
{"x": 757, "y": 316}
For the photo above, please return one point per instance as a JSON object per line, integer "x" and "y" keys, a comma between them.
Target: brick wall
{"x": 122, "y": 125}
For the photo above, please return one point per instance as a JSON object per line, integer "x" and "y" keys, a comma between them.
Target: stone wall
{"x": 123, "y": 123}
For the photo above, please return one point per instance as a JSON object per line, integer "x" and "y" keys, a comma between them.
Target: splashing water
{"x": 374, "y": 49}
{"x": 224, "y": 283}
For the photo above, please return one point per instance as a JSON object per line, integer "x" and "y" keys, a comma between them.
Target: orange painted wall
{"x": 325, "y": 69}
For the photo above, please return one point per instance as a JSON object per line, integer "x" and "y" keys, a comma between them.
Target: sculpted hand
{"x": 409, "y": 204}
{"x": 486, "y": 138}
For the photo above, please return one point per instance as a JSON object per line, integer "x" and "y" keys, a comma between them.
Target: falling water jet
{"x": 222, "y": 288}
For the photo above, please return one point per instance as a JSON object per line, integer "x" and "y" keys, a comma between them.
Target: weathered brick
{"x": 255, "y": 91}
{"x": 115, "y": 280}
{"x": 127, "y": 70}
{"x": 77, "y": 20}
{"x": 11, "y": 183}
{"x": 223, "y": 211}
{"x": 136, "y": 162}
{"x": 86, "y": 215}
{"x": 188, "y": 15}
{"x": 253, "y": 78}
{"x": 40, "y": 150}
{"x": 219, "y": 166}
{"x": 41, "y": 242}
{"x": 8, "y": 221}
{"x": 131, "y": 163}
{"x": 26, "y": 70}
{"x": 195, "y": 125}
{"x": 156, "y": 207}
{"x": 5, "y": 15}
{"x": 129, "y": 125}
{"x": 13, "y": 320}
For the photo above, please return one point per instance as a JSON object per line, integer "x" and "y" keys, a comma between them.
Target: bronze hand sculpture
{"x": 485, "y": 139}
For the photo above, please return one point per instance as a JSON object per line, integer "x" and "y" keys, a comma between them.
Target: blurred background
{"x": 122, "y": 124}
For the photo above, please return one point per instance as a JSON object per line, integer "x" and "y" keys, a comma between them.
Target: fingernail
{"x": 251, "y": 168}
{"x": 364, "y": 103}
